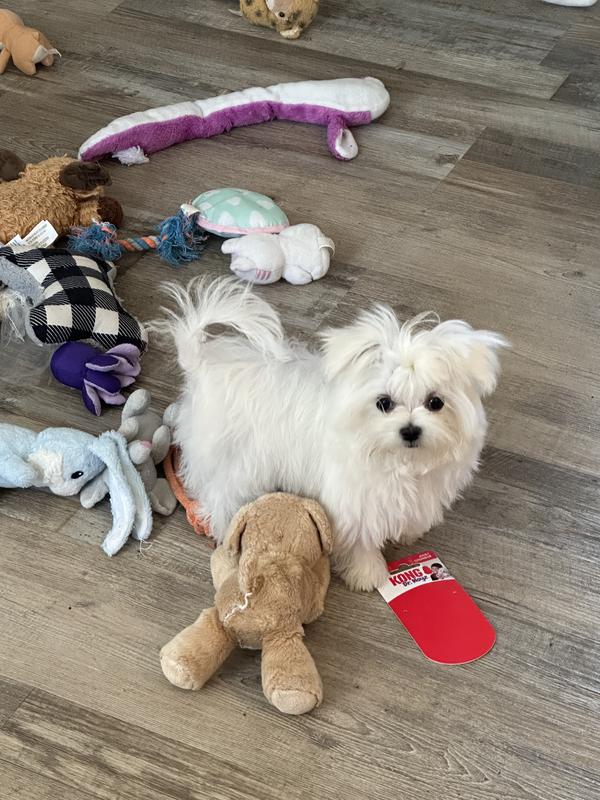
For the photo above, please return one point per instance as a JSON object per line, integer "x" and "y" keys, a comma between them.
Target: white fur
{"x": 259, "y": 413}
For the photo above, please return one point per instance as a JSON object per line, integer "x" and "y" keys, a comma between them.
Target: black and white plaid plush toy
{"x": 69, "y": 297}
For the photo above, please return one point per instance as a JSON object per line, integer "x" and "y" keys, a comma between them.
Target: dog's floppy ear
{"x": 474, "y": 352}
{"x": 82, "y": 177}
{"x": 233, "y": 537}
{"x": 321, "y": 522}
{"x": 372, "y": 332}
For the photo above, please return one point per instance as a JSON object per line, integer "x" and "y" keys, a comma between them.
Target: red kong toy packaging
{"x": 444, "y": 621}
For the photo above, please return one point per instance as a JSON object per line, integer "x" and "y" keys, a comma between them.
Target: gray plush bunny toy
{"x": 149, "y": 440}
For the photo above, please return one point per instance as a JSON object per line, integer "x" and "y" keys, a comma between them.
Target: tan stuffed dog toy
{"x": 26, "y": 46}
{"x": 289, "y": 17}
{"x": 66, "y": 192}
{"x": 271, "y": 575}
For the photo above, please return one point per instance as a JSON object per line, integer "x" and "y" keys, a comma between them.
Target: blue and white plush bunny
{"x": 64, "y": 460}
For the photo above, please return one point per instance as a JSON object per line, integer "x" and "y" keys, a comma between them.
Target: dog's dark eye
{"x": 385, "y": 404}
{"x": 76, "y": 475}
{"x": 434, "y": 403}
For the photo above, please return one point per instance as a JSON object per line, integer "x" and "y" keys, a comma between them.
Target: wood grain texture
{"x": 475, "y": 195}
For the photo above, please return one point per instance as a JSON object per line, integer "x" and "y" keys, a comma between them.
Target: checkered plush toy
{"x": 69, "y": 298}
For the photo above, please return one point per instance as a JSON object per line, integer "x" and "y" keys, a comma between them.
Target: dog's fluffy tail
{"x": 224, "y": 301}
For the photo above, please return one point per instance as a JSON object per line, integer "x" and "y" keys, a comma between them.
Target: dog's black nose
{"x": 410, "y": 433}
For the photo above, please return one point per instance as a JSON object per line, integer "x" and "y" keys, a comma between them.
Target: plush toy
{"x": 149, "y": 440}
{"x": 61, "y": 190}
{"x": 69, "y": 298}
{"x": 299, "y": 254}
{"x": 337, "y": 104}
{"x": 64, "y": 460}
{"x": 289, "y": 17}
{"x": 271, "y": 576}
{"x": 26, "y": 46}
{"x": 99, "y": 377}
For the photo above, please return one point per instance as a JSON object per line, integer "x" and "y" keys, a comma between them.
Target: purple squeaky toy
{"x": 99, "y": 376}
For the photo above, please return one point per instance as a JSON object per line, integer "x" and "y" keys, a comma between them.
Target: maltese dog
{"x": 383, "y": 425}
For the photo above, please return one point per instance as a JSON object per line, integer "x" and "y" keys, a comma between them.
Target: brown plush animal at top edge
{"x": 66, "y": 192}
{"x": 271, "y": 575}
{"x": 26, "y": 46}
{"x": 288, "y": 17}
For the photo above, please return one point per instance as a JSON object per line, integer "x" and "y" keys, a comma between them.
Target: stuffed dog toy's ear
{"x": 233, "y": 538}
{"x": 83, "y": 177}
{"x": 130, "y": 505}
{"x": 248, "y": 578}
{"x": 321, "y": 522}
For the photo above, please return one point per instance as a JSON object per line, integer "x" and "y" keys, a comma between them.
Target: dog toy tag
{"x": 43, "y": 235}
{"x": 445, "y": 623}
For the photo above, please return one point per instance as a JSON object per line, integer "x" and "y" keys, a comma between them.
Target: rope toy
{"x": 179, "y": 241}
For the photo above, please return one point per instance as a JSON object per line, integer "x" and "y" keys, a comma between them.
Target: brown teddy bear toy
{"x": 271, "y": 576}
{"x": 289, "y": 17}
{"x": 66, "y": 192}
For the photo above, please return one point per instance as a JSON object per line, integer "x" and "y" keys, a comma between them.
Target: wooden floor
{"x": 476, "y": 195}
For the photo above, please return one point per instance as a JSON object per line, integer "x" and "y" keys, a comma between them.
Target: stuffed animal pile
{"x": 272, "y": 572}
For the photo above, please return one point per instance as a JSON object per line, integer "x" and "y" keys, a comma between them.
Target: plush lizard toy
{"x": 271, "y": 575}
{"x": 26, "y": 46}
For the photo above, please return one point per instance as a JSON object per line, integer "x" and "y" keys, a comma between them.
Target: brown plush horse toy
{"x": 26, "y": 46}
{"x": 271, "y": 575}
{"x": 66, "y": 192}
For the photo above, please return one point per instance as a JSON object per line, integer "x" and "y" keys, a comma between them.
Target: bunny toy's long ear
{"x": 129, "y": 501}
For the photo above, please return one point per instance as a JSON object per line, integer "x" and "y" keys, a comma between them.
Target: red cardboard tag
{"x": 444, "y": 621}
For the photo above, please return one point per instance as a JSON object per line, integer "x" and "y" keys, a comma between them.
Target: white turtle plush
{"x": 149, "y": 438}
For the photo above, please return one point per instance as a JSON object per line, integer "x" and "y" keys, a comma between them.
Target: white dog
{"x": 384, "y": 425}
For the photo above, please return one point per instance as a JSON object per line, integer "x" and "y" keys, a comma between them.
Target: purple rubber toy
{"x": 99, "y": 376}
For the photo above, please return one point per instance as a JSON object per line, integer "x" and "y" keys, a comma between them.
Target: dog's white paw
{"x": 363, "y": 570}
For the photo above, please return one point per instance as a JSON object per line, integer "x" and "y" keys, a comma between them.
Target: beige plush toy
{"x": 26, "y": 46}
{"x": 61, "y": 190}
{"x": 271, "y": 576}
{"x": 289, "y": 17}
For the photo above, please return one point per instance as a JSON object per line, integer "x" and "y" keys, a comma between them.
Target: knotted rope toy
{"x": 179, "y": 240}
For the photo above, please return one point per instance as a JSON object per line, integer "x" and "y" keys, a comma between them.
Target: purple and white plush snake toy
{"x": 338, "y": 104}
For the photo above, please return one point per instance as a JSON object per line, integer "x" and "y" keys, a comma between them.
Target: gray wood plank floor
{"x": 476, "y": 195}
